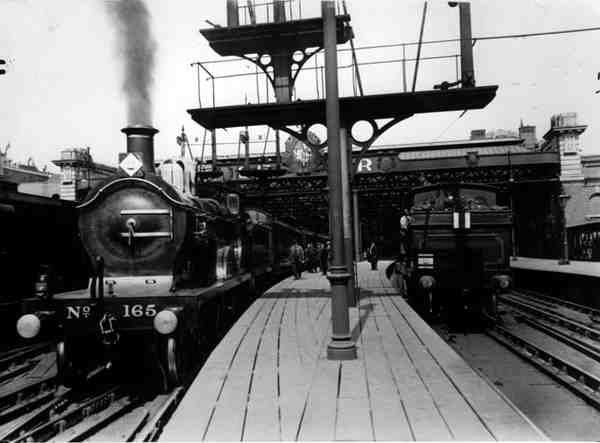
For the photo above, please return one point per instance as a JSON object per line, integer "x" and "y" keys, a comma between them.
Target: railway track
{"x": 35, "y": 407}
{"x": 560, "y": 338}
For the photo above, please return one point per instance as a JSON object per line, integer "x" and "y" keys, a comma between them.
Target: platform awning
{"x": 352, "y": 109}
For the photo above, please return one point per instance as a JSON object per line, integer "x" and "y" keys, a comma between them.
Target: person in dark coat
{"x": 297, "y": 259}
{"x": 372, "y": 256}
{"x": 324, "y": 257}
{"x": 311, "y": 258}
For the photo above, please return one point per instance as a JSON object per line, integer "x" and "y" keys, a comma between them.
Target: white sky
{"x": 63, "y": 83}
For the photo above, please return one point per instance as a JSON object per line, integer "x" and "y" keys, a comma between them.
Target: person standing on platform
{"x": 297, "y": 259}
{"x": 405, "y": 222}
{"x": 372, "y": 256}
{"x": 311, "y": 258}
{"x": 400, "y": 273}
{"x": 324, "y": 257}
{"x": 319, "y": 251}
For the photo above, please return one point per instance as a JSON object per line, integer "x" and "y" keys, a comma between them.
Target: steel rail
{"x": 42, "y": 414}
{"x": 26, "y": 393}
{"x": 577, "y": 344}
{"x": 576, "y": 379}
{"x": 66, "y": 413}
{"x": 554, "y": 317}
{"x": 97, "y": 421}
{"x": 153, "y": 427}
{"x": 557, "y": 301}
{"x": 27, "y": 405}
{"x": 16, "y": 356}
{"x": 16, "y": 370}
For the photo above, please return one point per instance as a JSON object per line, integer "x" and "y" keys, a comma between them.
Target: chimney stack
{"x": 527, "y": 133}
{"x": 478, "y": 134}
{"x": 140, "y": 141}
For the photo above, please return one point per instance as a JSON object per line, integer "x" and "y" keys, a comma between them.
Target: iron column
{"x": 232, "y": 14}
{"x": 356, "y": 220}
{"x": 466, "y": 45}
{"x": 346, "y": 164}
{"x": 213, "y": 138}
{"x": 341, "y": 346}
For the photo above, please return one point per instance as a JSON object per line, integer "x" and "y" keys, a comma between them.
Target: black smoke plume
{"x": 137, "y": 46}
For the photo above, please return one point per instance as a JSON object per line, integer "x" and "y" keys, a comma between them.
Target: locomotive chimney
{"x": 140, "y": 141}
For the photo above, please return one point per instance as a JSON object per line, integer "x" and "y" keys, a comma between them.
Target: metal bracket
{"x": 270, "y": 73}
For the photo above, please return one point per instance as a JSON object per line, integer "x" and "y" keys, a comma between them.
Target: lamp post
{"x": 341, "y": 346}
{"x": 564, "y": 259}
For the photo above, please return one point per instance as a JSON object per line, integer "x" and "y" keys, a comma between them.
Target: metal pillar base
{"x": 563, "y": 261}
{"x": 341, "y": 346}
{"x": 341, "y": 349}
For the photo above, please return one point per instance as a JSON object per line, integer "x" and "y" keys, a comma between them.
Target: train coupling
{"x": 110, "y": 337}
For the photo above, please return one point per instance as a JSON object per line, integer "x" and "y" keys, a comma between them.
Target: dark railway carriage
{"x": 39, "y": 251}
{"x": 38, "y": 233}
{"x": 460, "y": 248}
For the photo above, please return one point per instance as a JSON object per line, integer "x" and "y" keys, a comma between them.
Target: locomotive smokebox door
{"x": 134, "y": 225}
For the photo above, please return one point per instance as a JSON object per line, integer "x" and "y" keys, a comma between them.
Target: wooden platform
{"x": 591, "y": 269}
{"x": 269, "y": 378}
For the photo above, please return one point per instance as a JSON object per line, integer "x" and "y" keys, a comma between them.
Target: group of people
{"x": 317, "y": 258}
{"x": 313, "y": 259}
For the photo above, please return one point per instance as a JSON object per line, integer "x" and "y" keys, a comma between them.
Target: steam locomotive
{"x": 169, "y": 269}
{"x": 460, "y": 246}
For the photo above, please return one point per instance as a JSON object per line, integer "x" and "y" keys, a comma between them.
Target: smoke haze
{"x": 137, "y": 47}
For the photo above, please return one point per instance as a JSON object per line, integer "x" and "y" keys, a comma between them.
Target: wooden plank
{"x": 318, "y": 421}
{"x": 353, "y": 421}
{"x": 223, "y": 353}
{"x": 388, "y": 414}
{"x": 262, "y": 418}
{"x": 195, "y": 410}
{"x": 294, "y": 375}
{"x": 425, "y": 419}
{"x": 461, "y": 420}
{"x": 500, "y": 416}
{"x": 228, "y": 419}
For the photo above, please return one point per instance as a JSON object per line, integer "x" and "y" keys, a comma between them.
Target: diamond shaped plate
{"x": 131, "y": 164}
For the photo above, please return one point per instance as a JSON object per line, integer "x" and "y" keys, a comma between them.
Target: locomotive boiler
{"x": 460, "y": 246}
{"x": 168, "y": 270}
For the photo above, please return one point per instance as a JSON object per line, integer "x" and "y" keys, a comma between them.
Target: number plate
{"x": 125, "y": 310}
